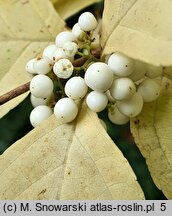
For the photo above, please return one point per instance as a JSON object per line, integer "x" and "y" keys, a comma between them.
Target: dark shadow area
{"x": 15, "y": 124}
{"x": 96, "y": 9}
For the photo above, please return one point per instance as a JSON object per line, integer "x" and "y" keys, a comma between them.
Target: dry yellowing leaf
{"x": 112, "y": 15}
{"x": 26, "y": 28}
{"x": 139, "y": 29}
{"x": 152, "y": 133}
{"x": 67, "y": 161}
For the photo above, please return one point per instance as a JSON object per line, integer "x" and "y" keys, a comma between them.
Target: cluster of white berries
{"x": 134, "y": 83}
{"x": 121, "y": 84}
{"x": 58, "y": 58}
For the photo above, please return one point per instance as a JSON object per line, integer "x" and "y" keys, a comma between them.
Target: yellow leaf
{"x": 139, "y": 29}
{"x": 152, "y": 133}
{"x": 26, "y": 27}
{"x": 112, "y": 15}
{"x": 68, "y": 8}
{"x": 67, "y": 161}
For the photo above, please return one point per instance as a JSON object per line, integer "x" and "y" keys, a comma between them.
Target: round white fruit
{"x": 64, "y": 37}
{"x": 59, "y": 54}
{"x": 66, "y": 110}
{"x": 76, "y": 30}
{"x": 76, "y": 88}
{"x": 70, "y": 49}
{"x": 131, "y": 107}
{"x": 63, "y": 68}
{"x": 122, "y": 88}
{"x": 120, "y": 64}
{"x": 41, "y": 86}
{"x": 49, "y": 51}
{"x": 38, "y": 101}
{"x": 96, "y": 101}
{"x": 149, "y": 89}
{"x": 99, "y": 77}
{"x": 29, "y": 66}
{"x": 87, "y": 21}
{"x": 39, "y": 114}
{"x": 116, "y": 117}
{"x": 42, "y": 65}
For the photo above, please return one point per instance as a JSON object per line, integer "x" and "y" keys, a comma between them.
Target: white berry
{"x": 120, "y": 64}
{"x": 42, "y": 65}
{"x": 64, "y": 37}
{"x": 122, "y": 88}
{"x": 153, "y": 71}
{"x": 49, "y": 51}
{"x": 76, "y": 30}
{"x": 66, "y": 110}
{"x": 139, "y": 71}
{"x": 37, "y": 101}
{"x": 41, "y": 86}
{"x": 131, "y": 107}
{"x": 87, "y": 21}
{"x": 63, "y": 68}
{"x": 116, "y": 117}
{"x": 39, "y": 114}
{"x": 149, "y": 89}
{"x": 70, "y": 49}
{"x": 96, "y": 101}
{"x": 59, "y": 54}
{"x": 99, "y": 77}
{"x": 76, "y": 88}
{"x": 29, "y": 66}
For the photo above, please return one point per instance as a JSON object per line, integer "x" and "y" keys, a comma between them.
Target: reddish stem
{"x": 14, "y": 93}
